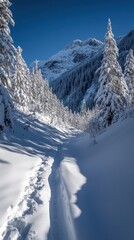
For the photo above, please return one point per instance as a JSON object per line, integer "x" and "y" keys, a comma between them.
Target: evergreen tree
{"x": 7, "y": 50}
{"x": 21, "y": 82}
{"x": 112, "y": 95}
{"x": 6, "y": 106}
{"x": 129, "y": 75}
{"x": 83, "y": 108}
{"x": 47, "y": 103}
{"x": 37, "y": 88}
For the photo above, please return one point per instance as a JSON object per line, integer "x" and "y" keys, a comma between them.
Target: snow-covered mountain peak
{"x": 79, "y": 43}
{"x": 69, "y": 58}
{"x": 93, "y": 42}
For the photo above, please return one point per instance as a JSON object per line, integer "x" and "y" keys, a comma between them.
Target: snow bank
{"x": 73, "y": 181}
{"x": 106, "y": 200}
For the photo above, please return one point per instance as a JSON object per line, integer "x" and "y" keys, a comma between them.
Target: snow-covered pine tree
{"x": 7, "y": 50}
{"x": 93, "y": 125}
{"x": 84, "y": 115}
{"x": 33, "y": 90}
{"x": 112, "y": 95}
{"x": 6, "y": 106}
{"x": 21, "y": 82}
{"x": 40, "y": 87}
{"x": 129, "y": 75}
{"x": 37, "y": 88}
{"x": 7, "y": 53}
{"x": 46, "y": 93}
{"x": 83, "y": 108}
{"x": 47, "y": 103}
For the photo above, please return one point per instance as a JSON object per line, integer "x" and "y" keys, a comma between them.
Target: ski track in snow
{"x": 18, "y": 221}
{"x": 65, "y": 181}
{"x": 46, "y": 186}
{"x": 17, "y": 224}
{"x": 62, "y": 223}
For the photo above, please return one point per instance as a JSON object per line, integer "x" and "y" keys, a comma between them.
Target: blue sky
{"x": 44, "y": 27}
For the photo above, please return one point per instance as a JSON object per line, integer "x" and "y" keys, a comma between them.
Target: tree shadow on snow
{"x": 4, "y": 162}
{"x": 36, "y": 139}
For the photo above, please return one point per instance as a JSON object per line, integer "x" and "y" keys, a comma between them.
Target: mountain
{"x": 69, "y": 58}
{"x": 72, "y": 72}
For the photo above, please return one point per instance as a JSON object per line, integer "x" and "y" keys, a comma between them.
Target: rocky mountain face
{"x": 72, "y": 56}
{"x": 72, "y": 72}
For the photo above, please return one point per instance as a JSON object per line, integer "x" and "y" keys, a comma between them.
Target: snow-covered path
{"x": 17, "y": 223}
{"x": 65, "y": 181}
{"x": 72, "y": 189}
{"x": 45, "y": 207}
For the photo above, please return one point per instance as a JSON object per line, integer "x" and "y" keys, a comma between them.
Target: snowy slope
{"x": 69, "y": 58}
{"x": 106, "y": 200}
{"x": 61, "y": 186}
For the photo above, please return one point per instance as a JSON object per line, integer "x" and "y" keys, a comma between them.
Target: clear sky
{"x": 43, "y": 27}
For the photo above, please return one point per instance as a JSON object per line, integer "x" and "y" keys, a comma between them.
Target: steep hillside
{"x": 72, "y": 56}
{"x": 72, "y": 72}
{"x": 124, "y": 45}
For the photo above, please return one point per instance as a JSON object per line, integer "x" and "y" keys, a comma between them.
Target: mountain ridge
{"x": 72, "y": 72}
{"x": 73, "y": 54}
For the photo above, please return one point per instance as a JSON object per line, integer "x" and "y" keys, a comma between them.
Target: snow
{"x": 73, "y": 180}
{"x": 57, "y": 184}
{"x": 66, "y": 59}
{"x": 28, "y": 157}
{"x": 14, "y": 168}
{"x": 106, "y": 200}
